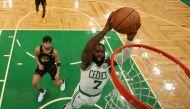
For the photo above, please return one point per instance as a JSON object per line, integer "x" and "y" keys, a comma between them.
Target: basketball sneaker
{"x": 41, "y": 96}
{"x": 62, "y": 87}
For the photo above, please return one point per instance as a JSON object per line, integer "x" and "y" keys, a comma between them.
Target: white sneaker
{"x": 62, "y": 87}
{"x": 41, "y": 96}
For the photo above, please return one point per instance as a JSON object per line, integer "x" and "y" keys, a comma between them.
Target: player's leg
{"x": 93, "y": 100}
{"x": 35, "y": 82}
{"x": 44, "y": 12}
{"x": 37, "y": 4}
{"x": 43, "y": 2}
{"x": 77, "y": 100}
{"x": 58, "y": 82}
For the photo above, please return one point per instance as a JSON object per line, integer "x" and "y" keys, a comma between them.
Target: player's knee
{"x": 36, "y": 79}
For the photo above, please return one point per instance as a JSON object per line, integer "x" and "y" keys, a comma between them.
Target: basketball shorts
{"x": 52, "y": 70}
{"x": 42, "y": 2}
{"x": 79, "y": 99}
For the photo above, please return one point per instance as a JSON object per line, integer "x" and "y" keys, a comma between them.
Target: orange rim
{"x": 119, "y": 85}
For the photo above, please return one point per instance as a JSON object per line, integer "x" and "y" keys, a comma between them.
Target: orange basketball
{"x": 125, "y": 20}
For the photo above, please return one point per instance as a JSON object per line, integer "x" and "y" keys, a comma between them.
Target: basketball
{"x": 125, "y": 20}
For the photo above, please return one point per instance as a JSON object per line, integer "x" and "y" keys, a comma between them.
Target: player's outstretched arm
{"x": 86, "y": 56}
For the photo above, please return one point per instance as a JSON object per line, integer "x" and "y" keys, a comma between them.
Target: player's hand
{"x": 108, "y": 26}
{"x": 41, "y": 67}
{"x": 57, "y": 76}
{"x": 130, "y": 36}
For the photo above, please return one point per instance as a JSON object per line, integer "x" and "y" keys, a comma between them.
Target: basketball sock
{"x": 41, "y": 90}
{"x": 63, "y": 80}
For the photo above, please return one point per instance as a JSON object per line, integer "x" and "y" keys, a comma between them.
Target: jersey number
{"x": 98, "y": 84}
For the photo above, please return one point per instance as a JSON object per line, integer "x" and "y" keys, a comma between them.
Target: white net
{"x": 115, "y": 101}
{"x": 156, "y": 81}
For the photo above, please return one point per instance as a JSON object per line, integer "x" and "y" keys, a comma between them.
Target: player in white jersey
{"x": 94, "y": 70}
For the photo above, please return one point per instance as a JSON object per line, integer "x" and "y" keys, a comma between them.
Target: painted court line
{"x": 61, "y": 99}
{"x": 30, "y": 54}
{"x": 2, "y": 81}
{"x": 18, "y": 43}
{"x": 55, "y": 100}
{"x": 73, "y": 63}
{"x": 108, "y": 37}
{"x": 20, "y": 63}
{"x": 10, "y": 36}
{"x": 11, "y": 52}
{"x": 6, "y": 55}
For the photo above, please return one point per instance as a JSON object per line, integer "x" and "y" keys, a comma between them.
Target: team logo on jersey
{"x": 44, "y": 59}
{"x": 97, "y": 75}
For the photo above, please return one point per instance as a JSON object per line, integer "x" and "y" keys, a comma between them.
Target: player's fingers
{"x": 111, "y": 14}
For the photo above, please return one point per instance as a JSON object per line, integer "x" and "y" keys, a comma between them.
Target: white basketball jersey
{"x": 94, "y": 78}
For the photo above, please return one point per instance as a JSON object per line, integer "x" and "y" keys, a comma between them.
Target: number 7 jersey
{"x": 94, "y": 78}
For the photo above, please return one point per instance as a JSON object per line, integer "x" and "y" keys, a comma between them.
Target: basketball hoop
{"x": 171, "y": 79}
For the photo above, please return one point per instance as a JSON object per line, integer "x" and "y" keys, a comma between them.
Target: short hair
{"x": 100, "y": 44}
{"x": 47, "y": 39}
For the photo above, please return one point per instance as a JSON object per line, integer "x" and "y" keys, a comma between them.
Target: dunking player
{"x": 46, "y": 56}
{"x": 95, "y": 69}
{"x": 43, "y": 3}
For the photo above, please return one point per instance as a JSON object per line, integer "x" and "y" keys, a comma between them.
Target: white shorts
{"x": 79, "y": 99}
